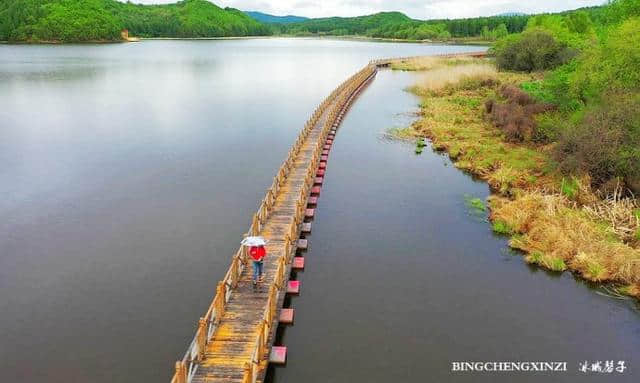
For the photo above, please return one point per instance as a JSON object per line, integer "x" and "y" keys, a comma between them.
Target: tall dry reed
{"x": 439, "y": 78}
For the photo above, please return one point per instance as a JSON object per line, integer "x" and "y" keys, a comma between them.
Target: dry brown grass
{"x": 418, "y": 63}
{"x": 549, "y": 226}
{"x": 577, "y": 231}
{"x": 453, "y": 119}
{"x": 620, "y": 212}
{"x": 438, "y": 79}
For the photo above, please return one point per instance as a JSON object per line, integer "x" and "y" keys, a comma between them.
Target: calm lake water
{"x": 129, "y": 172}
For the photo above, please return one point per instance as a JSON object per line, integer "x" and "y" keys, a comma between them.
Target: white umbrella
{"x": 254, "y": 241}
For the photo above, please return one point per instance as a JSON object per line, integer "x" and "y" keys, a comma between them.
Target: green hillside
{"x": 399, "y": 26}
{"x": 102, "y": 20}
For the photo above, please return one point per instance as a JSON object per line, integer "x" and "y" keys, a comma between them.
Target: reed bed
{"x": 436, "y": 80}
{"x": 418, "y": 63}
{"x": 560, "y": 224}
{"x": 553, "y": 232}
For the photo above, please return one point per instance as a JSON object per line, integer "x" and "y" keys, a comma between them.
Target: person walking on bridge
{"x": 257, "y": 252}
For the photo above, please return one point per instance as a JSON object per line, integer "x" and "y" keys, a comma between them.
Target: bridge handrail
{"x": 186, "y": 368}
{"x": 252, "y": 370}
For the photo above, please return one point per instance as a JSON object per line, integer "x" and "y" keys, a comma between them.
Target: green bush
{"x": 550, "y": 126}
{"x": 613, "y": 64}
{"x": 533, "y": 50}
{"x": 622, "y": 9}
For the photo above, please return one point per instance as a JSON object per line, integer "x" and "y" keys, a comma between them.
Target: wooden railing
{"x": 345, "y": 94}
{"x": 186, "y": 368}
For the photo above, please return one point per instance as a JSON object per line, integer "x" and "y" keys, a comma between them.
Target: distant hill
{"x": 396, "y": 25}
{"x": 102, "y": 20}
{"x": 351, "y": 25}
{"x": 271, "y": 19}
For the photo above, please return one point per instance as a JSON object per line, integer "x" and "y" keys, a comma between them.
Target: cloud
{"x": 419, "y": 9}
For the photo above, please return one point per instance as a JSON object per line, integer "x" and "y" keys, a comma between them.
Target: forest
{"x": 396, "y": 25}
{"x": 103, "y": 20}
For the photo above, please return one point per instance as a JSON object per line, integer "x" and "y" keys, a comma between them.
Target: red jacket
{"x": 257, "y": 253}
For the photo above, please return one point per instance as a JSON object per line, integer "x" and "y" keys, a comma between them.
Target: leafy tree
{"x": 613, "y": 64}
{"x": 534, "y": 50}
{"x": 501, "y": 31}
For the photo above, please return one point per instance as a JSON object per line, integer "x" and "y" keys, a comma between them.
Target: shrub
{"x": 533, "y": 50}
{"x": 515, "y": 117}
{"x": 516, "y": 95}
{"x": 606, "y": 143}
{"x": 549, "y": 126}
{"x": 613, "y": 64}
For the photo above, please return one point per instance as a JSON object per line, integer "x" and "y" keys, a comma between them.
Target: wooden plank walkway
{"x": 234, "y": 337}
{"x": 234, "y": 342}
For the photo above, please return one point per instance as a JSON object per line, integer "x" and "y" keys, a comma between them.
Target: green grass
{"x": 502, "y": 227}
{"x": 537, "y": 90}
{"x": 569, "y": 188}
{"x": 476, "y": 205}
{"x": 595, "y": 270}
{"x": 637, "y": 213}
{"x": 478, "y": 147}
{"x": 418, "y": 150}
{"x": 556, "y": 264}
{"x": 548, "y": 261}
{"x": 535, "y": 257}
{"x": 626, "y": 290}
{"x": 469, "y": 102}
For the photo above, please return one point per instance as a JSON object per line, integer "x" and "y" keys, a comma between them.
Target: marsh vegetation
{"x": 556, "y": 140}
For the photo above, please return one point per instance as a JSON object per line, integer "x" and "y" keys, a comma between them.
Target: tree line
{"x": 396, "y": 25}
{"x": 103, "y": 20}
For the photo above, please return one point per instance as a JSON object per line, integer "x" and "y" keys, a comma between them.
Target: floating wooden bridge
{"x": 234, "y": 339}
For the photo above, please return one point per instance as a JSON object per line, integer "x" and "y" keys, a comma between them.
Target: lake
{"x": 130, "y": 171}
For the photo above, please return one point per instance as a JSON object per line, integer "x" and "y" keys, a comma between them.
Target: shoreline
{"x": 527, "y": 202}
{"x": 311, "y": 37}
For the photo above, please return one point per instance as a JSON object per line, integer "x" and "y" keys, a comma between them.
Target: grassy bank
{"x": 557, "y": 221}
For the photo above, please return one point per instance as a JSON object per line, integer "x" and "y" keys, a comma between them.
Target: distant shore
{"x": 311, "y": 37}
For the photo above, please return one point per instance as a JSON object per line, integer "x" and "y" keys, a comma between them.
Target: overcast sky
{"x": 418, "y": 9}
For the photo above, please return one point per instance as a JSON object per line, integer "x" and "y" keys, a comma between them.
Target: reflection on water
{"x": 128, "y": 173}
{"x": 125, "y": 192}
{"x": 400, "y": 280}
